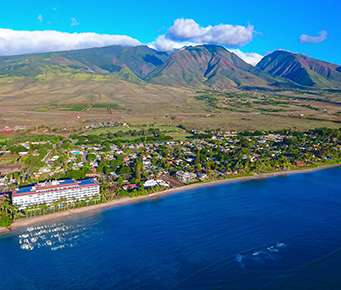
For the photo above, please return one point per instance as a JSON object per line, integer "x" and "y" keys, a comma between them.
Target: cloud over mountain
{"x": 251, "y": 58}
{"x": 184, "y": 32}
{"x": 314, "y": 39}
{"x": 187, "y": 32}
{"x": 223, "y": 34}
{"x": 14, "y": 42}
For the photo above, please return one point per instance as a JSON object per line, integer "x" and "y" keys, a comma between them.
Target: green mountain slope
{"x": 199, "y": 66}
{"x": 135, "y": 61}
{"x": 302, "y": 69}
{"x": 209, "y": 65}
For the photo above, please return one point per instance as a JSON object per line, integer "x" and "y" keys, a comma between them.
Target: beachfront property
{"x": 155, "y": 182}
{"x": 186, "y": 177}
{"x": 48, "y": 192}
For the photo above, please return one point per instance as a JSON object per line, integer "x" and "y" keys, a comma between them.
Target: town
{"x": 46, "y": 173}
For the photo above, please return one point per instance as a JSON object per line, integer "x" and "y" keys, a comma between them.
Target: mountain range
{"x": 200, "y": 66}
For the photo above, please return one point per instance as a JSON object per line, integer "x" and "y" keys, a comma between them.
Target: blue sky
{"x": 274, "y": 24}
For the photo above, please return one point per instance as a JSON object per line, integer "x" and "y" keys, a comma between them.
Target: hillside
{"x": 200, "y": 66}
{"x": 302, "y": 69}
{"x": 209, "y": 65}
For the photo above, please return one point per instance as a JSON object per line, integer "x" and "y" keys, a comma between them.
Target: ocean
{"x": 278, "y": 233}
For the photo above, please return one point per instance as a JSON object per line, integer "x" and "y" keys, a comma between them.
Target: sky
{"x": 251, "y": 29}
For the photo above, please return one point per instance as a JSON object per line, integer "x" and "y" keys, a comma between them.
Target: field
{"x": 71, "y": 103}
{"x": 165, "y": 129}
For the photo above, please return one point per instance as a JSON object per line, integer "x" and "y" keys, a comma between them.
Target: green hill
{"x": 200, "y": 66}
{"x": 302, "y": 69}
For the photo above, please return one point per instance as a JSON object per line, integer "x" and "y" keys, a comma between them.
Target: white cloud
{"x": 74, "y": 22}
{"x": 164, "y": 44}
{"x": 40, "y": 17}
{"x": 314, "y": 39}
{"x": 223, "y": 34}
{"x": 251, "y": 58}
{"x": 14, "y": 42}
{"x": 186, "y": 32}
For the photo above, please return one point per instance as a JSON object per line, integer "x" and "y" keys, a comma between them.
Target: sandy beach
{"x": 126, "y": 200}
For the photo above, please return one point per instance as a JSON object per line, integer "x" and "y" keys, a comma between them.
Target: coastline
{"x": 127, "y": 200}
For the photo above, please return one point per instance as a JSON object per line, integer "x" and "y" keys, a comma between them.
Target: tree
{"x": 87, "y": 200}
{"x": 197, "y": 158}
{"x": 63, "y": 202}
{"x": 120, "y": 180}
{"x": 91, "y": 157}
{"x": 5, "y": 219}
{"x": 54, "y": 205}
{"x": 125, "y": 170}
{"x": 138, "y": 169}
{"x": 96, "y": 198}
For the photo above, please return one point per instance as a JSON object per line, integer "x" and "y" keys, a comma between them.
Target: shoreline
{"x": 127, "y": 200}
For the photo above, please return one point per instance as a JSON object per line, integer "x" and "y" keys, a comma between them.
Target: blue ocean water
{"x": 277, "y": 233}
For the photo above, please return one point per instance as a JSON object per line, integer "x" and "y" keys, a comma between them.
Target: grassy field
{"x": 66, "y": 101}
{"x": 165, "y": 129}
{"x": 76, "y": 107}
{"x": 110, "y": 106}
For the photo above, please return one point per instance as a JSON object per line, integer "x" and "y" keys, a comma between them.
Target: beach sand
{"x": 126, "y": 200}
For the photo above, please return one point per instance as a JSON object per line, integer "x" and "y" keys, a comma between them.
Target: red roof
{"x": 133, "y": 185}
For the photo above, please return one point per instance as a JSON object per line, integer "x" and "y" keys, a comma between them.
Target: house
{"x": 146, "y": 162}
{"x": 300, "y": 163}
{"x": 185, "y": 177}
{"x": 202, "y": 176}
{"x": 53, "y": 159}
{"x": 155, "y": 182}
{"x": 132, "y": 186}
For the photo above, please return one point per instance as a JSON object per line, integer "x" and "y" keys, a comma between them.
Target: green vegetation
{"x": 111, "y": 106}
{"x": 76, "y": 107}
{"x": 123, "y": 166}
{"x": 5, "y": 219}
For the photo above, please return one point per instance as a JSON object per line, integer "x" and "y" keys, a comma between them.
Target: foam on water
{"x": 260, "y": 256}
{"x": 56, "y": 236}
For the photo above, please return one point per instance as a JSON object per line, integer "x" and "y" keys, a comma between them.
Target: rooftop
{"x": 55, "y": 184}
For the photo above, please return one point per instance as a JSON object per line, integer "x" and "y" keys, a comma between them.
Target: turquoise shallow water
{"x": 277, "y": 233}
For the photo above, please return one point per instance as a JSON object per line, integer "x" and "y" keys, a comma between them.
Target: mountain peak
{"x": 301, "y": 69}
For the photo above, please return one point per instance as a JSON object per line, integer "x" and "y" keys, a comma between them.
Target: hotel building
{"x": 48, "y": 192}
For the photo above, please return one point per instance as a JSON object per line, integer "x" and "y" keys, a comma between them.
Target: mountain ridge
{"x": 301, "y": 69}
{"x": 199, "y": 66}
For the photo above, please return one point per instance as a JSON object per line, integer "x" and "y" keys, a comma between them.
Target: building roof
{"x": 54, "y": 185}
{"x": 89, "y": 181}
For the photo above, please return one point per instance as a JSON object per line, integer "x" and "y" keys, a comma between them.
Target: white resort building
{"x": 48, "y": 192}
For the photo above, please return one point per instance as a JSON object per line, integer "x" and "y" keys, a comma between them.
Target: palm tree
{"x": 87, "y": 200}
{"x": 96, "y": 198}
{"x": 74, "y": 200}
{"x": 26, "y": 211}
{"x": 63, "y": 202}
{"x": 54, "y": 205}
{"x": 35, "y": 207}
{"x": 44, "y": 208}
